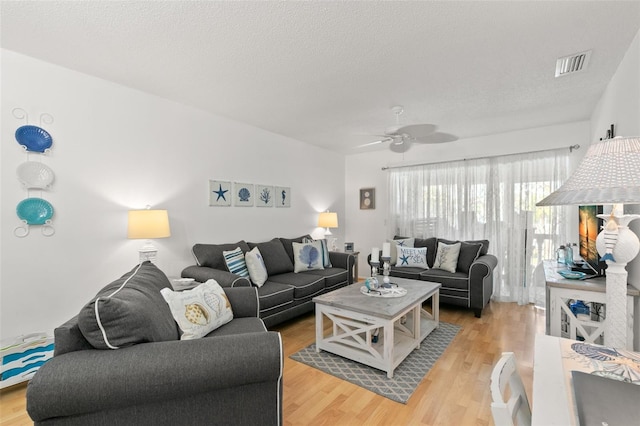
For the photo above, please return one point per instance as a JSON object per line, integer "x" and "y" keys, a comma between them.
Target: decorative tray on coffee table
{"x": 384, "y": 292}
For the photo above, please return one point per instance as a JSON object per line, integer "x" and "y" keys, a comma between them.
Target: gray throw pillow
{"x": 131, "y": 310}
{"x": 469, "y": 252}
{"x": 275, "y": 258}
{"x": 288, "y": 243}
{"x": 211, "y": 255}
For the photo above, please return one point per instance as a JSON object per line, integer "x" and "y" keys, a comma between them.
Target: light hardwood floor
{"x": 454, "y": 392}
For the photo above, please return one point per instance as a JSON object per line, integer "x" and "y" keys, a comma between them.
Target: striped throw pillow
{"x": 235, "y": 262}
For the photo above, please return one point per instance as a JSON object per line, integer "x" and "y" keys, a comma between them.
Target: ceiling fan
{"x": 402, "y": 136}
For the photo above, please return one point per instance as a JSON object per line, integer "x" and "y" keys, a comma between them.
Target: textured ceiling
{"x": 327, "y": 73}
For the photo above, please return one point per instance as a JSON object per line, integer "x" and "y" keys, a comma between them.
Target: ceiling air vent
{"x": 572, "y": 64}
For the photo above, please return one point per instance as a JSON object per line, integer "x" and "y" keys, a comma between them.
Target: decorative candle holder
{"x": 386, "y": 266}
{"x": 374, "y": 268}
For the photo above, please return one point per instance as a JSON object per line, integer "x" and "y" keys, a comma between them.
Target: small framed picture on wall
{"x": 219, "y": 193}
{"x": 282, "y": 196}
{"x": 367, "y": 198}
{"x": 243, "y": 194}
{"x": 264, "y": 196}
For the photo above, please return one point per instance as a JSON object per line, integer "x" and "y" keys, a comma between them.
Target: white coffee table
{"x": 355, "y": 318}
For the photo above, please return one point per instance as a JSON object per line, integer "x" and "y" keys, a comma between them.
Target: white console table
{"x": 560, "y": 292}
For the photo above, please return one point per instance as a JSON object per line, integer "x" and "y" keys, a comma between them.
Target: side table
{"x": 561, "y": 321}
{"x": 356, "y": 255}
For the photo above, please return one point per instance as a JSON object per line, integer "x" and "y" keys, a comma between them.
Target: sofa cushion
{"x": 275, "y": 258}
{"x": 307, "y": 256}
{"x": 235, "y": 262}
{"x": 287, "y": 243}
{"x": 256, "y": 267}
{"x": 273, "y": 294}
{"x": 200, "y": 310}
{"x": 304, "y": 285}
{"x": 457, "y": 280}
{"x": 447, "y": 257}
{"x": 211, "y": 255}
{"x": 332, "y": 276}
{"x": 411, "y": 257}
{"x": 131, "y": 310}
{"x": 469, "y": 252}
{"x": 411, "y": 273}
{"x": 431, "y": 244}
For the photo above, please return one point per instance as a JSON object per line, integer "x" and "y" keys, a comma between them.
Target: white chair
{"x": 515, "y": 410}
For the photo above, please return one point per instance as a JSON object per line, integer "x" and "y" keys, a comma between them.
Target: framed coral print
{"x": 219, "y": 193}
{"x": 264, "y": 196}
{"x": 243, "y": 194}
{"x": 367, "y": 198}
{"x": 282, "y": 196}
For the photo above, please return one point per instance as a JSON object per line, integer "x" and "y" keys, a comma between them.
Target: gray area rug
{"x": 406, "y": 377}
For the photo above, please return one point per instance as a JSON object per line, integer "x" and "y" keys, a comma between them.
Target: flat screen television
{"x": 589, "y": 226}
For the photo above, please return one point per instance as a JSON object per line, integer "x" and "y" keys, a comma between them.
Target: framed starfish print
{"x": 219, "y": 193}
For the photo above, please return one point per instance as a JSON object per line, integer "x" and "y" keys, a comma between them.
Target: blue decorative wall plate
{"x": 34, "y": 138}
{"x": 34, "y": 211}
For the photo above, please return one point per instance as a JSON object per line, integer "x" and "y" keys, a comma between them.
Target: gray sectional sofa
{"x": 233, "y": 375}
{"x": 286, "y": 294}
{"x": 471, "y": 285}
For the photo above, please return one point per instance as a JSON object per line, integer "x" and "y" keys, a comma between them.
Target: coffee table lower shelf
{"x": 352, "y": 333}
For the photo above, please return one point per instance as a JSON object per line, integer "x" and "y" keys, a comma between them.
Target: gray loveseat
{"x": 286, "y": 294}
{"x": 471, "y": 285}
{"x": 231, "y": 376}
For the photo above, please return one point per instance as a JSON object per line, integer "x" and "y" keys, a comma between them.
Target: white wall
{"x": 117, "y": 149}
{"x": 368, "y": 228}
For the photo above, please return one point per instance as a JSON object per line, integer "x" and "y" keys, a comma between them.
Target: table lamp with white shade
{"x": 148, "y": 224}
{"x": 609, "y": 174}
{"x": 329, "y": 220}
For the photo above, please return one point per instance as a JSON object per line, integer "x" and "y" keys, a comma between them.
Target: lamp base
{"x": 622, "y": 246}
{"x": 148, "y": 252}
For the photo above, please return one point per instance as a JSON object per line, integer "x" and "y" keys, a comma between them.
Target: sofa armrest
{"x": 343, "y": 260}
{"x": 100, "y": 380}
{"x": 224, "y": 278}
{"x": 481, "y": 282}
{"x": 244, "y": 301}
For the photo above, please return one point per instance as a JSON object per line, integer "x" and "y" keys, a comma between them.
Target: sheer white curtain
{"x": 489, "y": 198}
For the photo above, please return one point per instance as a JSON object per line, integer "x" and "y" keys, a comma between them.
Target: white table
{"x": 555, "y": 358}
{"x": 550, "y": 405}
{"x": 356, "y": 317}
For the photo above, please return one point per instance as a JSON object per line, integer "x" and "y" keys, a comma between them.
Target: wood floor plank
{"x": 454, "y": 392}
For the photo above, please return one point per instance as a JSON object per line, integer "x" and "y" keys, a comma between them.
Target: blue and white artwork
{"x": 220, "y": 193}
{"x": 265, "y": 196}
{"x": 243, "y": 194}
{"x": 282, "y": 196}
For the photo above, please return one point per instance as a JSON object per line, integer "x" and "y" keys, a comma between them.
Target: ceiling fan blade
{"x": 417, "y": 130}
{"x": 374, "y": 142}
{"x": 437, "y": 137}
